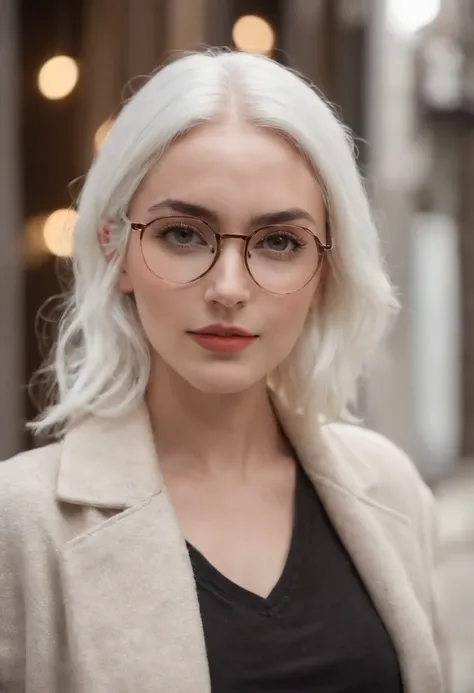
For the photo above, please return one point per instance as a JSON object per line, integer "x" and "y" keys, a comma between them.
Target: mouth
{"x": 223, "y": 338}
{"x": 224, "y": 331}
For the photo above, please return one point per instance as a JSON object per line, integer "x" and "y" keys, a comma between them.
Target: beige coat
{"x": 96, "y": 588}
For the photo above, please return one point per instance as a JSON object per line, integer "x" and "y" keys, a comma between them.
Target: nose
{"x": 229, "y": 283}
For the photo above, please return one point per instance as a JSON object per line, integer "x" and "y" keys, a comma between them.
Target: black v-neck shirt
{"x": 317, "y": 631}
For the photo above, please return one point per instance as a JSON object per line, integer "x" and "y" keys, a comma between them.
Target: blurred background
{"x": 401, "y": 73}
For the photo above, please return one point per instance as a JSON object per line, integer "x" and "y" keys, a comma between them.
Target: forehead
{"x": 233, "y": 169}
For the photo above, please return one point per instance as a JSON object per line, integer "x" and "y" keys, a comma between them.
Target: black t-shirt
{"x": 318, "y": 630}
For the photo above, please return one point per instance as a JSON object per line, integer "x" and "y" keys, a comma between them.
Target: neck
{"x": 212, "y": 433}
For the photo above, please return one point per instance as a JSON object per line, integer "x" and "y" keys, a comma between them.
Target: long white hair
{"x": 101, "y": 361}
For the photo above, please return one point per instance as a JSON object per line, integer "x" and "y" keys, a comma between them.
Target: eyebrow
{"x": 268, "y": 219}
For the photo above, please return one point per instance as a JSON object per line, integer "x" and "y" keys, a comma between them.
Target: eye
{"x": 181, "y": 235}
{"x": 280, "y": 242}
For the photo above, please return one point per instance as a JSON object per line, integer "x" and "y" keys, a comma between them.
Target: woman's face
{"x": 233, "y": 175}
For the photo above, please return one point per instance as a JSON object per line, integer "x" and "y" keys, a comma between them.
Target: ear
{"x": 124, "y": 283}
{"x": 104, "y": 240}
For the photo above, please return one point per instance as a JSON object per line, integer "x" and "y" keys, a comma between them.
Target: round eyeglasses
{"x": 281, "y": 259}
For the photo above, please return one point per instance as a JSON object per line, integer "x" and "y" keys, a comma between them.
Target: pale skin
{"x": 227, "y": 469}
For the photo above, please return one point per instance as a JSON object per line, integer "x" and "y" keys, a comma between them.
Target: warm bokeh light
{"x": 408, "y": 17}
{"x": 34, "y": 249}
{"x": 58, "y": 77}
{"x": 58, "y": 232}
{"x": 253, "y": 34}
{"x": 102, "y": 133}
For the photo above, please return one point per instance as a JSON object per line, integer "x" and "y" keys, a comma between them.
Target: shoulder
{"x": 35, "y": 468}
{"x": 386, "y": 471}
{"x": 28, "y": 483}
{"x": 373, "y": 449}
{"x": 364, "y": 440}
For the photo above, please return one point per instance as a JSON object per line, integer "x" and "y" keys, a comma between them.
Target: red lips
{"x": 224, "y": 331}
{"x": 224, "y": 339}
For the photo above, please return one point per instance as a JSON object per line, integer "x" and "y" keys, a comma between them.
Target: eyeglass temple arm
{"x": 329, "y": 245}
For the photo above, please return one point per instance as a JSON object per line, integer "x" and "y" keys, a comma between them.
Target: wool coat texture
{"x": 97, "y": 593}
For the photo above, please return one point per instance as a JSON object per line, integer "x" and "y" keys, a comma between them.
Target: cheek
{"x": 295, "y": 307}
{"x": 158, "y": 314}
{"x": 153, "y": 297}
{"x": 158, "y": 304}
{"x": 291, "y": 315}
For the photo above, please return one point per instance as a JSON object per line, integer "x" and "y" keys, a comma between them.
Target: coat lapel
{"x": 367, "y": 528}
{"x": 132, "y": 608}
{"x": 131, "y": 605}
{"x": 132, "y": 612}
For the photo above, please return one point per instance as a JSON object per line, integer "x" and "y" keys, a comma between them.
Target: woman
{"x": 201, "y": 522}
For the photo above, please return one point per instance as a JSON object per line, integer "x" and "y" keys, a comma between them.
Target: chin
{"x": 223, "y": 387}
{"x": 222, "y": 381}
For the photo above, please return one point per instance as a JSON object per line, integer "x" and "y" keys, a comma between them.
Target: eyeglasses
{"x": 281, "y": 259}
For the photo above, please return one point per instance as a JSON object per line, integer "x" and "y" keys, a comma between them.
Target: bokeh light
{"x": 102, "y": 132}
{"x": 34, "y": 249}
{"x": 409, "y": 16}
{"x": 58, "y": 77}
{"x": 253, "y": 34}
{"x": 58, "y": 232}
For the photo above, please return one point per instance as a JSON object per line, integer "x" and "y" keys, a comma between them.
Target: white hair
{"x": 101, "y": 359}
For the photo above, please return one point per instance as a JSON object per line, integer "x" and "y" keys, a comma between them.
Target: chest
{"x": 243, "y": 530}
{"x": 317, "y": 629}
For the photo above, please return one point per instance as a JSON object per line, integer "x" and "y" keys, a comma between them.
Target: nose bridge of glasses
{"x": 231, "y": 243}
{"x": 223, "y": 236}
{"x": 231, "y": 258}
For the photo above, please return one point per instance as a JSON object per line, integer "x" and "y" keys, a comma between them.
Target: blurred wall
{"x": 124, "y": 41}
{"x": 11, "y": 270}
{"x": 389, "y": 397}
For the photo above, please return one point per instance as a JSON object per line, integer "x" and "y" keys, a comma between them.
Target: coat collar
{"x": 112, "y": 463}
